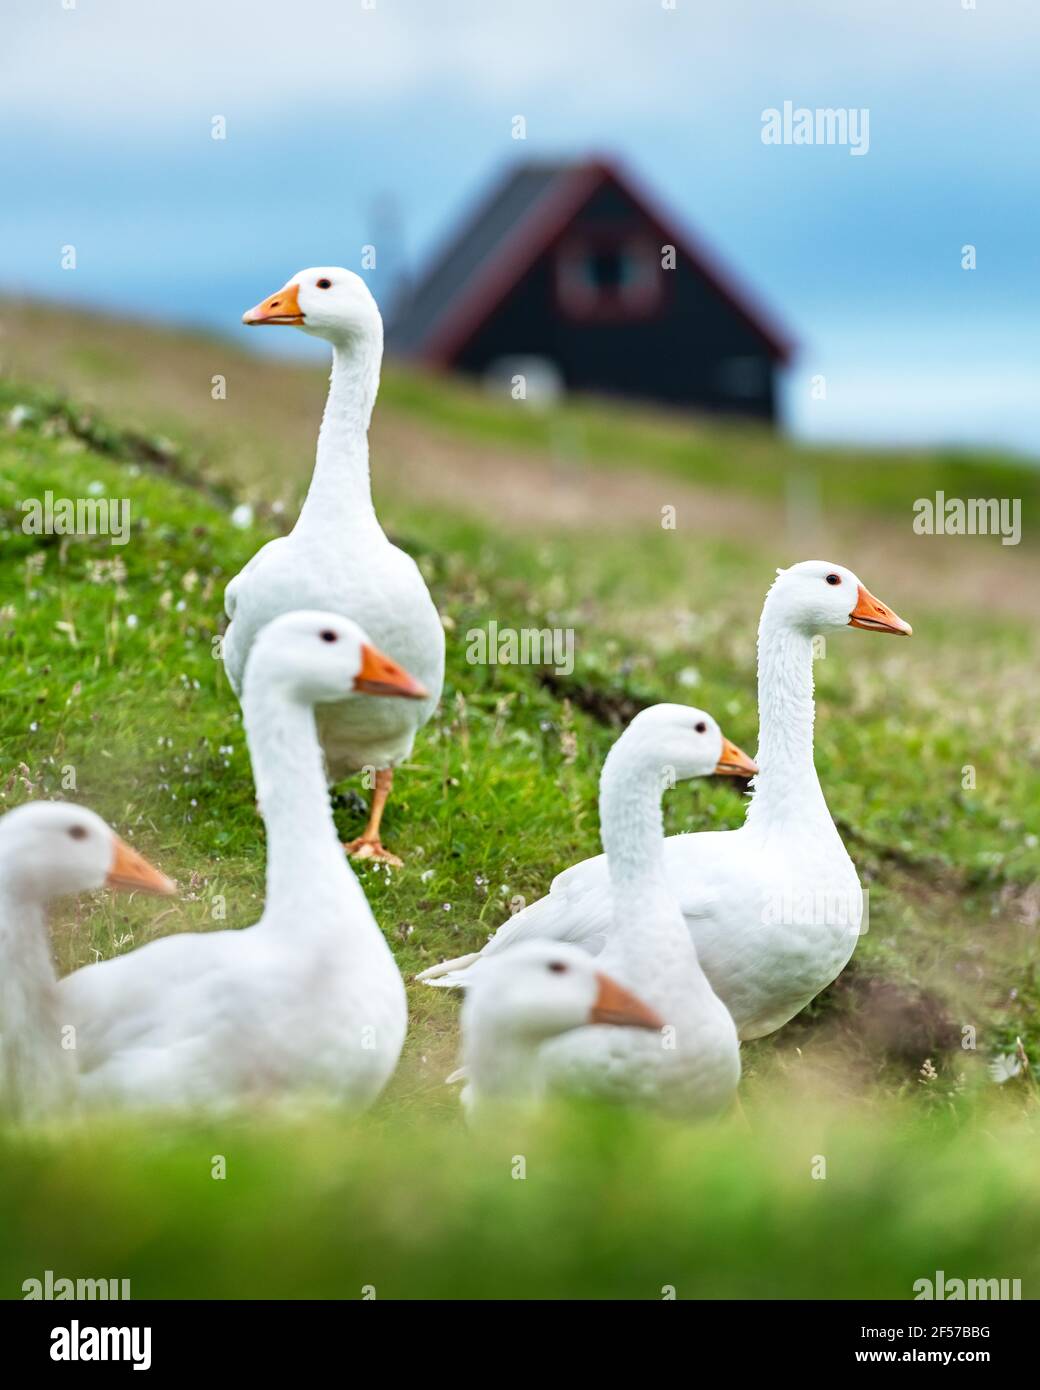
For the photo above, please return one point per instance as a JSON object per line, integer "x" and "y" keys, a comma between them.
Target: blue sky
{"x": 335, "y": 106}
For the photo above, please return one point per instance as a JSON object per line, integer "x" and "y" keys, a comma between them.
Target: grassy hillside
{"x": 109, "y": 680}
{"x": 438, "y": 437}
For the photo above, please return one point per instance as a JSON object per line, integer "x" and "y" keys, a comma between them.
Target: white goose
{"x": 308, "y": 1002}
{"x": 48, "y": 849}
{"x": 518, "y": 1001}
{"x": 337, "y": 557}
{"x": 774, "y": 908}
{"x": 693, "y": 1068}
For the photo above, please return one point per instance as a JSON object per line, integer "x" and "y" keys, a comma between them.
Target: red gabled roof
{"x": 551, "y": 198}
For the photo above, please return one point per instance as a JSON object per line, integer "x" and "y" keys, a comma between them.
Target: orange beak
{"x": 381, "y": 676}
{"x": 131, "y": 870}
{"x": 283, "y": 307}
{"x": 617, "y": 1006}
{"x": 734, "y": 762}
{"x": 870, "y": 613}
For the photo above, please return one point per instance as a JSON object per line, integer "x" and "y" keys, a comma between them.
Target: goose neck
{"x": 501, "y": 1062}
{"x": 340, "y": 494}
{"x": 35, "y": 1070}
{"x": 787, "y": 785}
{"x": 631, "y": 820}
{"x": 306, "y": 866}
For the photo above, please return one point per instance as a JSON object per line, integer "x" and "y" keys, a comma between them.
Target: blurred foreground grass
{"x": 108, "y": 672}
{"x": 580, "y": 1204}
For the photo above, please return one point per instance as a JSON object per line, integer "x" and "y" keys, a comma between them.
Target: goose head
{"x": 50, "y": 848}
{"x": 316, "y": 658}
{"x": 687, "y": 742}
{"x": 815, "y": 595}
{"x": 326, "y": 301}
{"x": 539, "y": 989}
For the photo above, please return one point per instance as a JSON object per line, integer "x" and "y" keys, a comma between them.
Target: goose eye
{"x": 701, "y": 728}
{"x": 78, "y": 832}
{"x": 834, "y": 579}
{"x": 324, "y": 284}
{"x": 328, "y": 635}
{"x": 557, "y": 967}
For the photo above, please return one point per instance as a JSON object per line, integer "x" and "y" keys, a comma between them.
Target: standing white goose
{"x": 693, "y": 1068}
{"x": 336, "y": 557}
{"x": 48, "y": 849}
{"x": 774, "y": 908}
{"x": 517, "y": 1002}
{"x": 308, "y": 1002}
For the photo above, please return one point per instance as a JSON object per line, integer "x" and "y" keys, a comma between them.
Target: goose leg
{"x": 368, "y": 844}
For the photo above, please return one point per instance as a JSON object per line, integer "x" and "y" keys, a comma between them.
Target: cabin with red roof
{"x": 567, "y": 275}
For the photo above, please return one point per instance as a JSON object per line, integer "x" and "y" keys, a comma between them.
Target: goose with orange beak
{"x": 520, "y": 1001}
{"x": 308, "y": 1002}
{"x": 49, "y": 849}
{"x": 648, "y": 947}
{"x": 648, "y": 954}
{"x": 774, "y": 908}
{"x": 337, "y": 557}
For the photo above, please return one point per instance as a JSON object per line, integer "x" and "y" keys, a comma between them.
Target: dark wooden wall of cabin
{"x": 686, "y": 353}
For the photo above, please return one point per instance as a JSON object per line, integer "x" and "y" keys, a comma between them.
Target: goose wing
{"x": 579, "y": 908}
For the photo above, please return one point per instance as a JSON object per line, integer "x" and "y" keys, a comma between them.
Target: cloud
{"x": 143, "y": 67}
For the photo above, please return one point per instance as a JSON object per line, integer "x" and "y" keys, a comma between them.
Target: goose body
{"x": 368, "y": 579}
{"x": 759, "y": 934}
{"x": 337, "y": 557}
{"x": 306, "y": 1004}
{"x": 773, "y": 908}
{"x": 693, "y": 1067}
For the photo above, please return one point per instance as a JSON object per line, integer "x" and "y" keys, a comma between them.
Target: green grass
{"x": 729, "y": 454}
{"x": 260, "y": 437}
{"x": 109, "y": 681}
{"x": 609, "y": 1206}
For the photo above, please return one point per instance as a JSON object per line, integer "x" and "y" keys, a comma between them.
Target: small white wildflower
{"x": 95, "y": 489}
{"x": 131, "y": 620}
{"x": 426, "y": 875}
{"x": 689, "y": 676}
{"x": 242, "y": 516}
{"x": 1004, "y": 1067}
